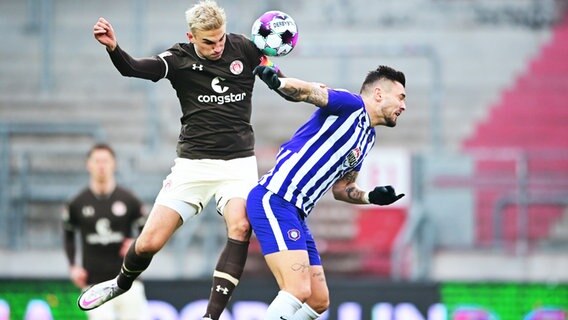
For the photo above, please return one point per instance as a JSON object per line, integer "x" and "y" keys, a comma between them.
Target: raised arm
{"x": 299, "y": 90}
{"x": 152, "y": 68}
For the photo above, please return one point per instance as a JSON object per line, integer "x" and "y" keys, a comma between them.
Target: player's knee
{"x": 239, "y": 229}
{"x": 148, "y": 246}
{"x": 320, "y": 304}
{"x": 302, "y": 292}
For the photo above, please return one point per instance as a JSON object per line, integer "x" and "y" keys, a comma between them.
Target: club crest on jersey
{"x": 88, "y": 211}
{"x": 352, "y": 158}
{"x": 236, "y": 67}
{"x": 294, "y": 234}
{"x": 118, "y": 208}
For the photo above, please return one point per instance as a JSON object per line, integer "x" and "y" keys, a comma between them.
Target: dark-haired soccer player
{"x": 213, "y": 79}
{"x": 107, "y": 218}
{"x": 325, "y": 153}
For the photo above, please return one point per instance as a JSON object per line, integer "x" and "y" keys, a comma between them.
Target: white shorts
{"x": 195, "y": 182}
{"x": 131, "y": 305}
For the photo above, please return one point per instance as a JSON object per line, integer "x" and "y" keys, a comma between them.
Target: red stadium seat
{"x": 531, "y": 116}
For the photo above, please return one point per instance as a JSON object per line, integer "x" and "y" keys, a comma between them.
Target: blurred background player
{"x": 213, "y": 78}
{"x": 326, "y": 152}
{"x": 107, "y": 217}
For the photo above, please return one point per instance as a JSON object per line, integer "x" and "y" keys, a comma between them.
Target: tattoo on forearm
{"x": 313, "y": 93}
{"x": 354, "y": 193}
{"x": 291, "y": 92}
{"x": 349, "y": 177}
{"x": 315, "y": 96}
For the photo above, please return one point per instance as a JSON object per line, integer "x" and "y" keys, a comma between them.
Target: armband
{"x": 265, "y": 61}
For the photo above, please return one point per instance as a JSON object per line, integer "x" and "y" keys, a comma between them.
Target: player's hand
{"x": 269, "y": 75}
{"x": 103, "y": 32}
{"x": 384, "y": 195}
{"x": 78, "y": 276}
{"x": 126, "y": 243}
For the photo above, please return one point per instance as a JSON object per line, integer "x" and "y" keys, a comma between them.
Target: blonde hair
{"x": 205, "y": 16}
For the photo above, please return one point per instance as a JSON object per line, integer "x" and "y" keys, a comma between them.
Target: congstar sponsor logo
{"x": 218, "y": 86}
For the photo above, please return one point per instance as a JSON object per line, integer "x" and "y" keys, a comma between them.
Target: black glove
{"x": 384, "y": 195}
{"x": 268, "y": 75}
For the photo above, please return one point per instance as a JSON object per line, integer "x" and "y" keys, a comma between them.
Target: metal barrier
{"x": 416, "y": 239}
{"x": 530, "y": 179}
{"x": 523, "y": 184}
{"x": 522, "y": 202}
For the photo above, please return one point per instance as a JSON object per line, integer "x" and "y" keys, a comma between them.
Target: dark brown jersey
{"x": 215, "y": 96}
{"x": 103, "y": 223}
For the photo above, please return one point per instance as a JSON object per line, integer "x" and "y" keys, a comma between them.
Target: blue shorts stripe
{"x": 274, "y": 226}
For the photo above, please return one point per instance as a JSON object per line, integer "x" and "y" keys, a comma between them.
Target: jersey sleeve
{"x": 69, "y": 224}
{"x": 342, "y": 101}
{"x": 68, "y": 216}
{"x": 152, "y": 68}
{"x": 171, "y": 61}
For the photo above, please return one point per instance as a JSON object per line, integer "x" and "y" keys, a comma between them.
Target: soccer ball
{"x": 275, "y": 33}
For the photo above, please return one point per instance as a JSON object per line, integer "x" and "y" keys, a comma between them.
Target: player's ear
{"x": 378, "y": 92}
{"x": 189, "y": 36}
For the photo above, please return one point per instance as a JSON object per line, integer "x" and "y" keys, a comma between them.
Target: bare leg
{"x": 318, "y": 301}
{"x": 292, "y": 272}
{"x": 161, "y": 225}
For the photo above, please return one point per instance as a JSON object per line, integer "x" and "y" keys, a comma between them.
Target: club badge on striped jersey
{"x": 353, "y": 158}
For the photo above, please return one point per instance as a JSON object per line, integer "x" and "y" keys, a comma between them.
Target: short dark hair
{"x": 101, "y": 146}
{"x": 384, "y": 72}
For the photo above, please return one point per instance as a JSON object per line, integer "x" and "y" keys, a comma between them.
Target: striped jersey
{"x": 333, "y": 142}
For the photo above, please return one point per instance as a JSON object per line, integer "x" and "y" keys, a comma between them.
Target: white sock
{"x": 305, "y": 313}
{"x": 285, "y": 304}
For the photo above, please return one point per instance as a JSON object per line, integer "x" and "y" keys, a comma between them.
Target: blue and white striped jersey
{"x": 334, "y": 141}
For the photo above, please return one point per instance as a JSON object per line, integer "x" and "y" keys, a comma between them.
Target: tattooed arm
{"x": 310, "y": 92}
{"x": 295, "y": 89}
{"x": 345, "y": 189}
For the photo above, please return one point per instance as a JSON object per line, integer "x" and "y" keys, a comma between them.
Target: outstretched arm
{"x": 345, "y": 189}
{"x": 151, "y": 68}
{"x": 299, "y": 90}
